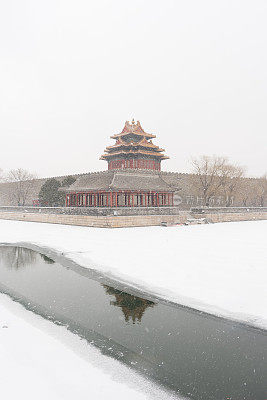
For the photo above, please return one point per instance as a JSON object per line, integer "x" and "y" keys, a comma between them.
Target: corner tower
{"x": 134, "y": 150}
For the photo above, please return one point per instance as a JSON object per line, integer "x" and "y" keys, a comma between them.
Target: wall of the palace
{"x": 132, "y": 220}
{"x": 93, "y": 211}
{"x": 186, "y": 198}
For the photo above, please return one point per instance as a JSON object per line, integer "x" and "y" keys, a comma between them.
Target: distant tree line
{"x": 216, "y": 176}
{"x": 24, "y": 184}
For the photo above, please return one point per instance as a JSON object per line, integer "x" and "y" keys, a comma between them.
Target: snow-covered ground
{"x": 40, "y": 360}
{"x": 219, "y": 268}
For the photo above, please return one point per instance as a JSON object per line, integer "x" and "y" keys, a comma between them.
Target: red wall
{"x": 135, "y": 164}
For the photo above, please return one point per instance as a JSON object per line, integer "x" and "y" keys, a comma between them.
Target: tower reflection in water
{"x": 133, "y": 307}
{"x": 47, "y": 259}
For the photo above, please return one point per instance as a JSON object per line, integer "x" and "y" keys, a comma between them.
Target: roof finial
{"x": 133, "y": 121}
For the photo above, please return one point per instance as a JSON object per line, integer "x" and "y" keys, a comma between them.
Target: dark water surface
{"x": 196, "y": 355}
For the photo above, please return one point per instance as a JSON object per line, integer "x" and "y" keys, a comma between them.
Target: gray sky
{"x": 71, "y": 72}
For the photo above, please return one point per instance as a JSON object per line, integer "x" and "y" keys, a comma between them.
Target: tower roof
{"x": 122, "y": 180}
{"x": 133, "y": 142}
{"x": 133, "y": 128}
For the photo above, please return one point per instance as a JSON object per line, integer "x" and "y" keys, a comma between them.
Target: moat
{"x": 194, "y": 354}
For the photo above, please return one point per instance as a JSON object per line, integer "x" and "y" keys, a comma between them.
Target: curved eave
{"x": 118, "y": 146}
{"x": 118, "y": 189}
{"x": 147, "y": 135}
{"x": 146, "y": 153}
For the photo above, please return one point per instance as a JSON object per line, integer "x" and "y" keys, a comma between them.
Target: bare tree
{"x": 23, "y": 184}
{"x": 216, "y": 176}
{"x": 247, "y": 194}
{"x": 232, "y": 181}
{"x": 209, "y": 175}
{"x": 2, "y": 176}
{"x": 261, "y": 190}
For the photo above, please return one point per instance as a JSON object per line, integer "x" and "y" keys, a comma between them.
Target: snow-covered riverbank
{"x": 220, "y": 268}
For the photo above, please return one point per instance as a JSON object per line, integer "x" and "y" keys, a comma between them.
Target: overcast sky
{"x": 73, "y": 71}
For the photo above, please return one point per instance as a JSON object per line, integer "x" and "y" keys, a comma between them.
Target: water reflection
{"x": 133, "y": 307}
{"x": 17, "y": 257}
{"x": 199, "y": 356}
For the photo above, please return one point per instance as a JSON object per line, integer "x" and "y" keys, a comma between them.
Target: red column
{"x": 132, "y": 200}
{"x": 145, "y": 199}
{"x": 66, "y": 201}
{"x": 157, "y": 199}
